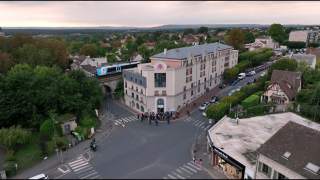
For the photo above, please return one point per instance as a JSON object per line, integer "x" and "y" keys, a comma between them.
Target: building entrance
{"x": 160, "y": 105}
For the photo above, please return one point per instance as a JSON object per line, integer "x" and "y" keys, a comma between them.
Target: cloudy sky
{"x": 146, "y": 14}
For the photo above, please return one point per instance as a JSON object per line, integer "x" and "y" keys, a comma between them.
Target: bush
{"x": 250, "y": 101}
{"x": 10, "y": 156}
{"x": 83, "y": 131}
{"x": 217, "y": 111}
{"x": 10, "y": 168}
{"x": 256, "y": 110}
{"x": 60, "y": 142}
{"x": 88, "y": 121}
{"x": 47, "y": 129}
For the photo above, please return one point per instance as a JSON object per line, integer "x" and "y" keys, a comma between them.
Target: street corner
{"x": 59, "y": 172}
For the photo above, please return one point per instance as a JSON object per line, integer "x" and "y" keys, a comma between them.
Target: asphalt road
{"x": 142, "y": 151}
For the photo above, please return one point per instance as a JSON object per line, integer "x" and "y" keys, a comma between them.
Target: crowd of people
{"x": 156, "y": 117}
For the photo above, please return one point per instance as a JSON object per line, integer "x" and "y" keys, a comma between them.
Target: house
{"x": 67, "y": 123}
{"x": 309, "y": 59}
{"x": 291, "y": 153}
{"x": 283, "y": 88}
{"x": 272, "y": 146}
{"x": 304, "y": 36}
{"x": 88, "y": 65}
{"x": 136, "y": 57}
{"x": 262, "y": 42}
{"x": 150, "y": 45}
{"x": 190, "y": 39}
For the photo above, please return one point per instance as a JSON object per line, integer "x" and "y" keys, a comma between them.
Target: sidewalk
{"x": 201, "y": 153}
{"x": 194, "y": 104}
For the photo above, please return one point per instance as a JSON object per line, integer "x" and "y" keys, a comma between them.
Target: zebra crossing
{"x": 83, "y": 169}
{"x": 203, "y": 124}
{"x": 184, "y": 171}
{"x": 122, "y": 121}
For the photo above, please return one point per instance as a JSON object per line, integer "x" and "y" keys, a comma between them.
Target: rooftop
{"x": 242, "y": 141}
{"x": 295, "y": 141}
{"x": 184, "y": 52}
{"x": 308, "y": 58}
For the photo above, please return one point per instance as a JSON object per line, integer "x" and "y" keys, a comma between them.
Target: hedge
{"x": 250, "y": 101}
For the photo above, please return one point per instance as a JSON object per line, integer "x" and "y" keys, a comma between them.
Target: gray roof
{"x": 303, "y": 144}
{"x": 308, "y": 58}
{"x": 184, "y": 52}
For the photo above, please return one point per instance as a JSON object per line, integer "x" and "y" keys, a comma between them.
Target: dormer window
{"x": 286, "y": 155}
{"x": 312, "y": 168}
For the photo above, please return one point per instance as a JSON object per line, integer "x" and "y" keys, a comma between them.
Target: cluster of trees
{"x": 25, "y": 49}
{"x": 247, "y": 60}
{"x": 27, "y": 94}
{"x": 309, "y": 96}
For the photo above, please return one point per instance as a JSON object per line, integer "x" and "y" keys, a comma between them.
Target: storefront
{"x": 231, "y": 167}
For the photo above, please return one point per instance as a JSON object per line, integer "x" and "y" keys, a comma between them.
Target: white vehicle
{"x": 204, "y": 114}
{"x": 251, "y": 73}
{"x": 241, "y": 76}
{"x": 40, "y": 176}
{"x": 203, "y": 106}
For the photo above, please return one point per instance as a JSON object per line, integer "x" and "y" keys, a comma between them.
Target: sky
{"x": 154, "y": 13}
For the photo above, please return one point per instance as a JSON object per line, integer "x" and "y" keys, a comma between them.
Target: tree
{"x": 32, "y": 55}
{"x": 188, "y": 31}
{"x": 283, "y": 64}
{"x": 111, "y": 57}
{"x": 277, "y": 33}
{"x": 235, "y": 38}
{"x": 230, "y": 74}
{"x": 295, "y": 44}
{"x": 89, "y": 50}
{"x": 6, "y": 62}
{"x": 14, "y": 136}
{"x": 119, "y": 91}
{"x": 203, "y": 30}
{"x": 144, "y": 51}
{"x": 248, "y": 37}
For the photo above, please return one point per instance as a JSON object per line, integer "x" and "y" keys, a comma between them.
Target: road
{"x": 138, "y": 150}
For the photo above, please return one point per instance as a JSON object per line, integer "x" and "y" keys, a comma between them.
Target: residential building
{"x": 87, "y": 64}
{"x": 283, "y": 88}
{"x": 309, "y": 59}
{"x": 304, "y": 36}
{"x": 176, "y": 77}
{"x": 291, "y": 153}
{"x": 190, "y": 39}
{"x": 236, "y": 145}
{"x": 262, "y": 42}
{"x": 299, "y": 36}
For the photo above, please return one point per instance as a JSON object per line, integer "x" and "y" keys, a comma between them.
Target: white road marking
{"x": 193, "y": 165}
{"x": 178, "y": 175}
{"x": 184, "y": 169}
{"x": 191, "y": 169}
{"x": 171, "y": 177}
{"x": 84, "y": 177}
{"x": 83, "y": 169}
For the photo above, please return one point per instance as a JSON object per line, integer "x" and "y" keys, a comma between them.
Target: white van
{"x": 40, "y": 176}
{"x": 241, "y": 76}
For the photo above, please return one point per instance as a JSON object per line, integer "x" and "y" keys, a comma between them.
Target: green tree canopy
{"x": 277, "y": 33}
{"x": 203, "y": 29}
{"x": 14, "y": 136}
{"x": 235, "y": 38}
{"x": 89, "y": 50}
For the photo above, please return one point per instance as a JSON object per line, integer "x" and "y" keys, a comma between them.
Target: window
{"x": 141, "y": 91}
{"x": 159, "y": 79}
{"x": 184, "y": 88}
{"x": 132, "y": 95}
{"x": 265, "y": 169}
{"x": 126, "y": 92}
{"x": 164, "y": 93}
{"x": 191, "y": 92}
{"x": 281, "y": 176}
{"x": 137, "y": 97}
{"x": 156, "y": 93}
{"x": 184, "y": 96}
{"x": 137, "y": 106}
{"x": 125, "y": 84}
{"x": 142, "y": 109}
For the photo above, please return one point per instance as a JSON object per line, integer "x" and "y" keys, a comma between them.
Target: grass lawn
{"x": 29, "y": 154}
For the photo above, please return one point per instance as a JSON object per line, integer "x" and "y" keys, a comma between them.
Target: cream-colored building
{"x": 262, "y": 42}
{"x": 176, "y": 77}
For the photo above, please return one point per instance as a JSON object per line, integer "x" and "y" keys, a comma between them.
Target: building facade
{"x": 176, "y": 77}
{"x": 304, "y": 36}
{"x": 262, "y": 42}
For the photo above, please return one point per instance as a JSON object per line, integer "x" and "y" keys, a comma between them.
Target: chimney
{"x": 165, "y": 51}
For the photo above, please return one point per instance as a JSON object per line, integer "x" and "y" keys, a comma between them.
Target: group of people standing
{"x": 156, "y": 117}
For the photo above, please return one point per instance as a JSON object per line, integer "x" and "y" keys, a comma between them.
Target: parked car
{"x": 251, "y": 73}
{"x": 40, "y": 176}
{"x": 235, "y": 82}
{"x": 203, "y": 106}
{"x": 241, "y": 76}
{"x": 214, "y": 99}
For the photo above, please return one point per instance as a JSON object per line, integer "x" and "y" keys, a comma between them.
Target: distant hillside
{"x": 105, "y": 29}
